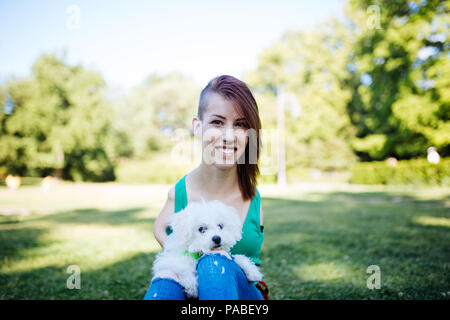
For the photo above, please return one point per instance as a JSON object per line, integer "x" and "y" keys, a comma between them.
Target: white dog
{"x": 199, "y": 229}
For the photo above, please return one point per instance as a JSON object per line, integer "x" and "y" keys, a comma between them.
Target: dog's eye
{"x": 202, "y": 229}
{"x": 220, "y": 226}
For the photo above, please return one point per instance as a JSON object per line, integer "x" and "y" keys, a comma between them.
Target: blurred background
{"x": 96, "y": 91}
{"x": 96, "y": 104}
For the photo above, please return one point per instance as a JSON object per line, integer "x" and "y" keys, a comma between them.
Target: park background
{"x": 96, "y": 103}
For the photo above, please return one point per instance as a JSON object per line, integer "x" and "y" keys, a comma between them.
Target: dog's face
{"x": 206, "y": 226}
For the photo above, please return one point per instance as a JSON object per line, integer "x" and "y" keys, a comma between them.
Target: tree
{"x": 155, "y": 109}
{"x": 312, "y": 66}
{"x": 400, "y": 78}
{"x": 57, "y": 119}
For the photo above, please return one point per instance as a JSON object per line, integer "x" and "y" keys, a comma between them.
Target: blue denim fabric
{"x": 164, "y": 289}
{"x": 219, "y": 278}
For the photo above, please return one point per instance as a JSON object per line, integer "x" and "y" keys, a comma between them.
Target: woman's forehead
{"x": 219, "y": 106}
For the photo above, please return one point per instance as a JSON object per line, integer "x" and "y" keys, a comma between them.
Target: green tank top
{"x": 252, "y": 236}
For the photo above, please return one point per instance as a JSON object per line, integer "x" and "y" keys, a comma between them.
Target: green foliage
{"x": 312, "y": 65}
{"x": 59, "y": 120}
{"x": 375, "y": 85}
{"x": 148, "y": 117}
{"x": 414, "y": 171}
{"x": 372, "y": 86}
{"x": 400, "y": 79}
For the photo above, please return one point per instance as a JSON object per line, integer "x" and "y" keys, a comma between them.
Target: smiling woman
{"x": 228, "y": 109}
{"x": 228, "y": 124}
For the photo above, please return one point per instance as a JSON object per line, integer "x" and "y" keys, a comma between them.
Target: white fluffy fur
{"x": 217, "y": 219}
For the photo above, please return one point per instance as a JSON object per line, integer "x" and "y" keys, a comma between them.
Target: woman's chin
{"x": 224, "y": 164}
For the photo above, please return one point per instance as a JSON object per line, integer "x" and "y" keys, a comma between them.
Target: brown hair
{"x": 237, "y": 91}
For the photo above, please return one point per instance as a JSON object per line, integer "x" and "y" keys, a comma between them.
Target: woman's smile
{"x": 227, "y": 151}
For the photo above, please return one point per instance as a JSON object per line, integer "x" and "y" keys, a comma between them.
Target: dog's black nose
{"x": 216, "y": 239}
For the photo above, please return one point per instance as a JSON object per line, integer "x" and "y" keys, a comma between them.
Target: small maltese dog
{"x": 199, "y": 229}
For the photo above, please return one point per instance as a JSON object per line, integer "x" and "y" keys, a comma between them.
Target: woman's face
{"x": 223, "y": 131}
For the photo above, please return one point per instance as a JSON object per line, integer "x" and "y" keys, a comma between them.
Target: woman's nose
{"x": 228, "y": 135}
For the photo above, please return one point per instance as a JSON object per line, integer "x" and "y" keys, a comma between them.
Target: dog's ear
{"x": 180, "y": 226}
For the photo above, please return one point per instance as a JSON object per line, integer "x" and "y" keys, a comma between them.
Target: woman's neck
{"x": 215, "y": 182}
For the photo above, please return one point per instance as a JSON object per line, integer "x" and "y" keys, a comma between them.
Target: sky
{"x": 128, "y": 40}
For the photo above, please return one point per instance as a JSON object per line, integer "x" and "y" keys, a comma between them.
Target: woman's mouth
{"x": 227, "y": 152}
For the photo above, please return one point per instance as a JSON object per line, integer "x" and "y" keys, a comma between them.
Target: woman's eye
{"x": 202, "y": 229}
{"x": 220, "y": 226}
{"x": 242, "y": 125}
{"x": 216, "y": 122}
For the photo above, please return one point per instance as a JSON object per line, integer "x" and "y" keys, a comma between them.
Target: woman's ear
{"x": 197, "y": 127}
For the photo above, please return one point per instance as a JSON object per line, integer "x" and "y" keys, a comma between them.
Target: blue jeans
{"x": 219, "y": 278}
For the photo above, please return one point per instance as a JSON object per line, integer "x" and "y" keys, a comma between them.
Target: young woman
{"x": 229, "y": 125}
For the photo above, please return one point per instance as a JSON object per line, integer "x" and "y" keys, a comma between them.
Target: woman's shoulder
{"x": 174, "y": 189}
{"x": 171, "y": 193}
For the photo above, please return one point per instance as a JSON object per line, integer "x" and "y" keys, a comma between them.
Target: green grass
{"x": 319, "y": 241}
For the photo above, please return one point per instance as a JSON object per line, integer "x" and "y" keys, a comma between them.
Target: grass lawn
{"x": 319, "y": 241}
